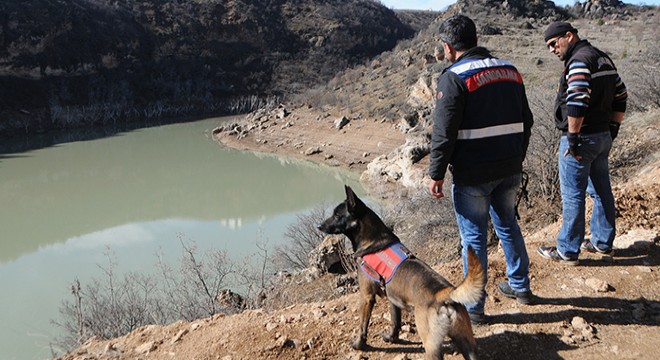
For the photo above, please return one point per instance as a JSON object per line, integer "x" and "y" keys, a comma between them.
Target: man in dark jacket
{"x": 481, "y": 129}
{"x": 589, "y": 109}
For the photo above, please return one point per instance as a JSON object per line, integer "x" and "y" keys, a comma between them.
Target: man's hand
{"x": 614, "y": 129}
{"x": 435, "y": 187}
{"x": 615, "y": 124}
{"x": 573, "y": 144}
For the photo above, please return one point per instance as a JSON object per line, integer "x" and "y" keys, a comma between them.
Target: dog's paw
{"x": 359, "y": 343}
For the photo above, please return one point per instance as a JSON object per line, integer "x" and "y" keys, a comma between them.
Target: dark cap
{"x": 558, "y": 28}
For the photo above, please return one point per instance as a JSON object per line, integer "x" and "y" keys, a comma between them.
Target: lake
{"x": 64, "y": 207}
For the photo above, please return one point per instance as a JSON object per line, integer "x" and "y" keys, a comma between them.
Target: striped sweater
{"x": 590, "y": 87}
{"x": 481, "y": 122}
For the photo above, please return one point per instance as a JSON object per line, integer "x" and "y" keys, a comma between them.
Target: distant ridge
{"x": 85, "y": 62}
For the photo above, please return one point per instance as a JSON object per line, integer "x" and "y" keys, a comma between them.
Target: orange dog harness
{"x": 382, "y": 265}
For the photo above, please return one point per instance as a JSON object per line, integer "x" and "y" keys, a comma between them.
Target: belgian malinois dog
{"x": 438, "y": 306}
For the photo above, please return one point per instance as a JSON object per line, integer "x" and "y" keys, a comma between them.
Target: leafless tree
{"x": 303, "y": 237}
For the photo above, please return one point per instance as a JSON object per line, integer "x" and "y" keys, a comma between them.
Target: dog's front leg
{"x": 395, "y": 314}
{"x": 366, "y": 307}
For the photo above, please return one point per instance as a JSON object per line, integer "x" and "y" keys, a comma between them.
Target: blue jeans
{"x": 591, "y": 175}
{"x": 472, "y": 205}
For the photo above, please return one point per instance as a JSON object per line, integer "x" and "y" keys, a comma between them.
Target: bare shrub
{"x": 642, "y": 80}
{"x": 256, "y": 281}
{"x": 303, "y": 237}
{"x": 314, "y": 97}
{"x": 110, "y": 306}
{"x": 190, "y": 293}
{"x": 541, "y": 160}
{"x": 425, "y": 224}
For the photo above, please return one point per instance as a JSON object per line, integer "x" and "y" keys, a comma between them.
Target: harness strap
{"x": 372, "y": 273}
{"x": 382, "y": 265}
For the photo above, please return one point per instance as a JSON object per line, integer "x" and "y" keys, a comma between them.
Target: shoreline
{"x": 308, "y": 135}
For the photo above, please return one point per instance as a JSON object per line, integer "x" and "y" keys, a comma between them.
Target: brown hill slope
{"x": 67, "y": 64}
{"x": 608, "y": 307}
{"x": 388, "y": 101}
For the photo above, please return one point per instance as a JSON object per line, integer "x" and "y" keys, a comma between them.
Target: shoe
{"x": 589, "y": 247}
{"x": 478, "y": 318}
{"x": 525, "y": 297}
{"x": 551, "y": 252}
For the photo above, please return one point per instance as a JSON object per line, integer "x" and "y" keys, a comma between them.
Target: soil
{"x": 312, "y": 135}
{"x": 607, "y": 307}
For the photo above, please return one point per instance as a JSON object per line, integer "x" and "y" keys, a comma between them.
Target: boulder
{"x": 341, "y": 122}
{"x": 327, "y": 257}
{"x": 397, "y": 166}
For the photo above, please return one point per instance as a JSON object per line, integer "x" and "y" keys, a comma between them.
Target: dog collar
{"x": 382, "y": 265}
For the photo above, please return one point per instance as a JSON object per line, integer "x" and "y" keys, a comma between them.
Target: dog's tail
{"x": 470, "y": 290}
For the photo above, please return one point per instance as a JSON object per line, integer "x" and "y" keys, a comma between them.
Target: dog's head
{"x": 345, "y": 218}
{"x": 360, "y": 224}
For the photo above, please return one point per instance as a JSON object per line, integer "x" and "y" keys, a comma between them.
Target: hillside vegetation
{"x": 66, "y": 64}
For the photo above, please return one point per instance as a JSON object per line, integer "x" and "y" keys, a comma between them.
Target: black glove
{"x": 614, "y": 129}
{"x": 573, "y": 143}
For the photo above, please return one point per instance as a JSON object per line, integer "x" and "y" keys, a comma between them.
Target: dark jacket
{"x": 589, "y": 87}
{"x": 482, "y": 121}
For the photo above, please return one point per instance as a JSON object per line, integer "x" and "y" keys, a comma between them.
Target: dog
{"x": 413, "y": 286}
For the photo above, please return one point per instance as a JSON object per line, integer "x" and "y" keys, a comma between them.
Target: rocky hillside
{"x": 374, "y": 118}
{"x": 606, "y": 308}
{"x": 537, "y": 9}
{"x": 70, "y": 63}
{"x": 395, "y": 92}
{"x": 599, "y": 9}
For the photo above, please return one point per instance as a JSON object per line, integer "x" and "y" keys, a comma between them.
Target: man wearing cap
{"x": 589, "y": 109}
{"x": 481, "y": 129}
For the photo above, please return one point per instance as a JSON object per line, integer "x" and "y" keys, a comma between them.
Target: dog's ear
{"x": 353, "y": 203}
{"x": 349, "y": 192}
{"x": 350, "y": 197}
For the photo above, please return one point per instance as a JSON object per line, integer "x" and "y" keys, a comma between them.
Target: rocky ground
{"x": 607, "y": 307}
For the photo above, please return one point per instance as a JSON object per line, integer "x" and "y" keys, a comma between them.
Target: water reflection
{"x": 138, "y": 194}
{"x": 149, "y": 174}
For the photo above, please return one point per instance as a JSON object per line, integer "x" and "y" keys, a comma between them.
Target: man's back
{"x": 481, "y": 99}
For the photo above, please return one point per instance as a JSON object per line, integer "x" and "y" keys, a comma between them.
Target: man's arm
{"x": 578, "y": 94}
{"x": 619, "y": 106}
{"x": 575, "y": 124}
{"x": 578, "y": 97}
{"x": 528, "y": 122}
{"x": 447, "y": 116}
{"x": 620, "y": 100}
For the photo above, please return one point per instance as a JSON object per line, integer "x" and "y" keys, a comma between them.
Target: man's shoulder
{"x": 473, "y": 64}
{"x": 584, "y": 52}
{"x": 449, "y": 82}
{"x": 592, "y": 57}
